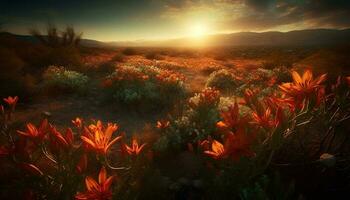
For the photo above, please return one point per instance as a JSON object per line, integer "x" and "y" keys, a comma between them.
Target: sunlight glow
{"x": 198, "y": 30}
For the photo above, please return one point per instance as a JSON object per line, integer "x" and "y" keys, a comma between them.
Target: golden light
{"x": 198, "y": 30}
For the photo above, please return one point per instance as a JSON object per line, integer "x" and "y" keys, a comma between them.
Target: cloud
{"x": 264, "y": 15}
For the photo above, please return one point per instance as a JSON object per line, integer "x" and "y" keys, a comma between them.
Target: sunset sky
{"x": 128, "y": 20}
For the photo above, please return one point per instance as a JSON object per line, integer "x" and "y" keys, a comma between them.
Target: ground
{"x": 63, "y": 109}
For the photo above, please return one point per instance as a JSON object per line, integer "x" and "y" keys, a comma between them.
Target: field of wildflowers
{"x": 287, "y": 143}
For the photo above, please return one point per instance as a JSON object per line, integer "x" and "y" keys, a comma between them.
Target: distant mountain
{"x": 29, "y": 38}
{"x": 294, "y": 38}
{"x": 310, "y": 37}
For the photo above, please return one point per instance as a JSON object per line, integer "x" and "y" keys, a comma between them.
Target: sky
{"x": 130, "y": 20}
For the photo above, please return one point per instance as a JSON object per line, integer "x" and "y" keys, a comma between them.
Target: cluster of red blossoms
{"x": 168, "y": 76}
{"x": 125, "y": 73}
{"x": 206, "y": 98}
{"x": 238, "y": 133}
{"x": 95, "y": 138}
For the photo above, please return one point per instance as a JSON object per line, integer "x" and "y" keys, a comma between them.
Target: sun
{"x": 198, "y": 30}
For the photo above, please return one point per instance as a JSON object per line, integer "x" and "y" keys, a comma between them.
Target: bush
{"x": 119, "y": 57}
{"x": 145, "y": 87}
{"x": 153, "y": 56}
{"x": 129, "y": 51}
{"x": 196, "y": 123}
{"x": 105, "y": 67}
{"x": 64, "y": 56}
{"x": 282, "y": 74}
{"x": 222, "y": 80}
{"x": 59, "y": 80}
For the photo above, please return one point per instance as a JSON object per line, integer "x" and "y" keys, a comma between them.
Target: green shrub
{"x": 129, "y": 51}
{"x": 59, "y": 80}
{"x": 105, "y": 67}
{"x": 65, "y": 56}
{"x": 119, "y": 57}
{"x": 222, "y": 80}
{"x": 145, "y": 87}
{"x": 196, "y": 123}
{"x": 282, "y": 74}
{"x": 153, "y": 56}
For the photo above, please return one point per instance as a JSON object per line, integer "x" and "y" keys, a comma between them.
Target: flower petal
{"x": 107, "y": 183}
{"x": 88, "y": 141}
{"x": 102, "y": 175}
{"x": 91, "y": 184}
{"x": 296, "y": 77}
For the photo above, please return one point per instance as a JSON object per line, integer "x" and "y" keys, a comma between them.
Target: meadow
{"x": 240, "y": 122}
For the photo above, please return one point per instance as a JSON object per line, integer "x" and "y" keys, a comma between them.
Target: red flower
{"x": 235, "y": 146}
{"x": 265, "y": 120}
{"x": 35, "y": 133}
{"x": 239, "y": 144}
{"x": 217, "y": 150}
{"x": 11, "y": 101}
{"x": 208, "y": 97}
{"x": 66, "y": 140}
{"x": 250, "y": 96}
{"x": 97, "y": 191}
{"x": 135, "y": 149}
{"x": 304, "y": 87}
{"x": 162, "y": 124}
{"x": 78, "y": 122}
{"x": 231, "y": 118}
{"x": 98, "y": 139}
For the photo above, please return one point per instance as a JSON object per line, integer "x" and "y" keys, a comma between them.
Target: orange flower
{"x": 162, "y": 124}
{"x": 11, "y": 101}
{"x": 236, "y": 145}
{"x": 34, "y": 132}
{"x": 239, "y": 144}
{"x": 66, "y": 140}
{"x": 97, "y": 126}
{"x": 97, "y": 191}
{"x": 208, "y": 97}
{"x": 303, "y": 87}
{"x": 135, "y": 149}
{"x": 217, "y": 150}
{"x": 78, "y": 122}
{"x": 250, "y": 97}
{"x": 265, "y": 120}
{"x": 98, "y": 139}
{"x": 231, "y": 118}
